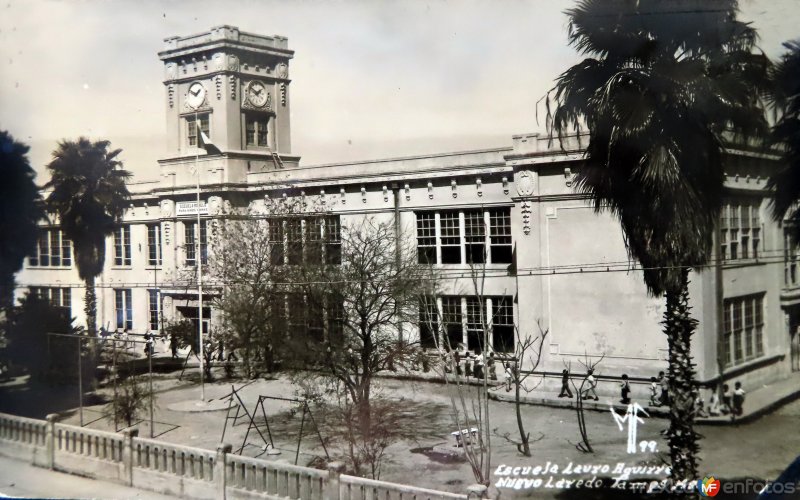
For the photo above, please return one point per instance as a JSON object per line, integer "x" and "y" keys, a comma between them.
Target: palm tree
{"x": 89, "y": 196}
{"x": 785, "y": 97}
{"x": 660, "y": 84}
{"x": 20, "y": 211}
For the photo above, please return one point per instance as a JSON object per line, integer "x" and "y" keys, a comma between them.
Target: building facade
{"x": 551, "y": 260}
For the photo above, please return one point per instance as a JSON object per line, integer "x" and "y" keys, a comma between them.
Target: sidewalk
{"x": 20, "y": 479}
{"x": 758, "y": 402}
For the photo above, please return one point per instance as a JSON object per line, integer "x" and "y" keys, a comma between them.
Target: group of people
{"x": 473, "y": 364}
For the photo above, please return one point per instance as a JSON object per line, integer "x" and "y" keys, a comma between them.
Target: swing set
{"x": 235, "y": 402}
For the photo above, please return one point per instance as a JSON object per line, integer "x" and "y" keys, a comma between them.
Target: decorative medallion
{"x": 233, "y": 63}
{"x": 282, "y": 70}
{"x": 524, "y": 183}
{"x": 219, "y": 61}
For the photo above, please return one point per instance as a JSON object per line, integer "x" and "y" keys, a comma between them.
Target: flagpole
{"x": 199, "y": 261}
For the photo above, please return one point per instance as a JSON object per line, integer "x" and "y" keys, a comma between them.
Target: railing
{"x": 359, "y": 488}
{"x": 88, "y": 442}
{"x": 185, "y": 471}
{"x": 275, "y": 479}
{"x": 184, "y": 461}
{"x": 22, "y": 430}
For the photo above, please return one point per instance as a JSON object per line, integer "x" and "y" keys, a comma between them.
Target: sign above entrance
{"x": 190, "y": 208}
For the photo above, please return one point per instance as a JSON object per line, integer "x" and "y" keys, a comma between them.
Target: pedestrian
{"x": 457, "y": 361}
{"x": 220, "y": 350}
{"x": 509, "y": 376}
{"x": 726, "y": 399}
{"x": 491, "y": 367}
{"x": 625, "y": 390}
{"x": 148, "y": 344}
{"x": 699, "y": 406}
{"x": 664, "y": 382}
{"x": 654, "y": 392}
{"x": 565, "y": 392}
{"x": 173, "y": 345}
{"x": 477, "y": 366}
{"x": 592, "y": 381}
{"x": 738, "y": 400}
{"x": 713, "y": 402}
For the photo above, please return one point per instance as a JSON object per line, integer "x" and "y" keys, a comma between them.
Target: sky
{"x": 369, "y": 79}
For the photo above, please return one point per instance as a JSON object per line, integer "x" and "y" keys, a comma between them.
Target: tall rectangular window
{"x": 740, "y": 229}
{"x": 154, "y": 244}
{"x": 426, "y": 237}
{"x": 52, "y": 249}
{"x": 276, "y": 241}
{"x": 333, "y": 240}
{"x": 428, "y": 323}
{"x": 791, "y": 260}
{"x": 476, "y": 321}
{"x": 256, "y": 129}
{"x": 450, "y": 238}
{"x": 312, "y": 240}
{"x": 503, "y": 323}
{"x": 743, "y": 328}
{"x": 294, "y": 241}
{"x": 122, "y": 245}
{"x": 191, "y": 128}
{"x": 315, "y": 229}
{"x": 451, "y": 321}
{"x": 484, "y": 236}
{"x": 123, "y": 308}
{"x": 190, "y": 242}
{"x": 153, "y": 308}
{"x": 475, "y": 236}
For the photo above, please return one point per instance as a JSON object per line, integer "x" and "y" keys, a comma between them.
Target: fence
{"x": 184, "y": 471}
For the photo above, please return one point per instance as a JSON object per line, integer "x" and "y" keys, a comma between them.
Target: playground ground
{"x": 726, "y": 452}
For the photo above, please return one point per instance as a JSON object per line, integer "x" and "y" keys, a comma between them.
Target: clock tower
{"x": 227, "y": 107}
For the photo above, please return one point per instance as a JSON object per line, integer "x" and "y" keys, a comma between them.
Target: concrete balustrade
{"x": 185, "y": 471}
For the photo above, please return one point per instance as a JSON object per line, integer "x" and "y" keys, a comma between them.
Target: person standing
{"x": 664, "y": 382}
{"x": 565, "y": 392}
{"x": 592, "y": 381}
{"x": 173, "y": 345}
{"x": 726, "y": 399}
{"x": 654, "y": 392}
{"x": 625, "y": 390}
{"x": 738, "y": 400}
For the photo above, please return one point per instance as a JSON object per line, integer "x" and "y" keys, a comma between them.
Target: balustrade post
{"x": 332, "y": 489}
{"x": 220, "y": 469}
{"x": 127, "y": 453}
{"x": 50, "y": 440}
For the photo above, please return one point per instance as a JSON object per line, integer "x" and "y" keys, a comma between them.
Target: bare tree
{"x": 584, "y": 445}
{"x": 361, "y": 299}
{"x": 526, "y": 348}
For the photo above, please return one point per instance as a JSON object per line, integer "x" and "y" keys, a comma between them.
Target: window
{"x": 426, "y": 237}
{"x": 256, "y": 129}
{"x": 58, "y": 297}
{"x": 740, "y": 229}
{"x": 190, "y": 313}
{"x": 154, "y": 308}
{"x": 52, "y": 250}
{"x": 743, "y": 328}
{"x": 313, "y": 240}
{"x": 464, "y": 237}
{"x": 502, "y": 324}
{"x": 791, "y": 260}
{"x": 472, "y": 316}
{"x": 191, "y": 128}
{"x": 122, "y": 246}
{"x": 154, "y": 244}
{"x": 124, "y": 308}
{"x": 428, "y": 323}
{"x": 190, "y": 242}
{"x": 476, "y": 319}
{"x": 451, "y": 320}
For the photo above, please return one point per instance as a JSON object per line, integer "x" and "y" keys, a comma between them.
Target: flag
{"x": 204, "y": 141}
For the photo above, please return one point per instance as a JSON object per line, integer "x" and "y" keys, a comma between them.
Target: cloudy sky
{"x": 369, "y": 79}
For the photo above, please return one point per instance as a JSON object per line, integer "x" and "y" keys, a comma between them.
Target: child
{"x": 664, "y": 388}
{"x": 654, "y": 400}
{"x": 565, "y": 392}
{"x": 625, "y": 389}
{"x": 509, "y": 376}
{"x": 738, "y": 399}
{"x": 726, "y": 399}
{"x": 592, "y": 384}
{"x": 713, "y": 403}
{"x": 699, "y": 406}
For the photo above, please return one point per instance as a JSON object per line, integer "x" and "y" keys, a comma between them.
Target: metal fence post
{"x": 220, "y": 469}
{"x": 50, "y": 440}
{"x": 332, "y": 489}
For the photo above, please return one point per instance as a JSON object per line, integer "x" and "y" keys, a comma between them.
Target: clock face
{"x": 196, "y": 95}
{"x": 257, "y": 94}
